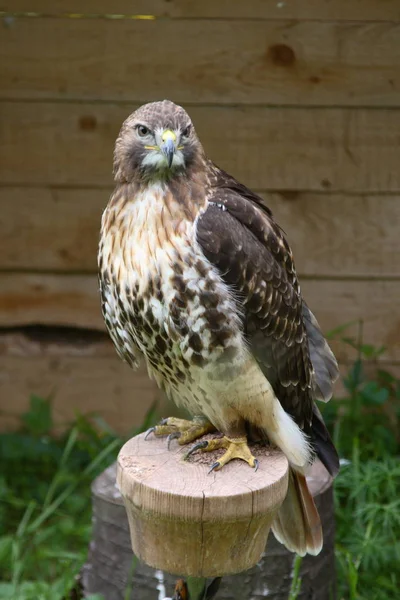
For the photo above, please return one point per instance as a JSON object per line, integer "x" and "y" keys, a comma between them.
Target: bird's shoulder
{"x": 227, "y": 195}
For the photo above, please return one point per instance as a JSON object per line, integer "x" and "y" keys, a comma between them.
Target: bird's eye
{"x": 186, "y": 131}
{"x": 142, "y": 130}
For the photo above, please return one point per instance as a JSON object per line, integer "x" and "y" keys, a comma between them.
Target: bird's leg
{"x": 183, "y": 430}
{"x": 235, "y": 448}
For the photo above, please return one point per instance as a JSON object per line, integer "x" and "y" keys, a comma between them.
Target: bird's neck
{"x": 184, "y": 195}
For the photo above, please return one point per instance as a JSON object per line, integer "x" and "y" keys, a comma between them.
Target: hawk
{"x": 197, "y": 278}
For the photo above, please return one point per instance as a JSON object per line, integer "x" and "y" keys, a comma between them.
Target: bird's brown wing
{"x": 238, "y": 235}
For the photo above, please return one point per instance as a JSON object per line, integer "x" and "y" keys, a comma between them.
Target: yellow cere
{"x": 168, "y": 135}
{"x": 152, "y": 148}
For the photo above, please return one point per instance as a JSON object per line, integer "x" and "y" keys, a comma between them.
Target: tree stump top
{"x": 186, "y": 520}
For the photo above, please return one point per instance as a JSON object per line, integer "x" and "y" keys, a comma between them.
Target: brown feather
{"x": 297, "y": 524}
{"x": 240, "y": 237}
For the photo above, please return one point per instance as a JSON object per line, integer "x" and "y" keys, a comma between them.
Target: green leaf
{"x": 385, "y": 377}
{"x": 369, "y": 351}
{"x": 354, "y": 377}
{"x": 350, "y": 341}
{"x": 7, "y": 590}
{"x": 38, "y": 419}
{"x": 28, "y": 590}
{"x": 374, "y": 395}
{"x": 6, "y": 542}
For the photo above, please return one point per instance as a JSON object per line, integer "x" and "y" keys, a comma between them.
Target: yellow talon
{"x": 183, "y": 430}
{"x": 235, "y": 448}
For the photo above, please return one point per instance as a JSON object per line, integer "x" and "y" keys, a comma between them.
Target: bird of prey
{"x": 197, "y": 278}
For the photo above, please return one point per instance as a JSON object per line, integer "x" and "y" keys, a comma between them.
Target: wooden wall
{"x": 299, "y": 100}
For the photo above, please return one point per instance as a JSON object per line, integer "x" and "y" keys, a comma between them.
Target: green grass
{"x": 366, "y": 431}
{"x": 45, "y": 512}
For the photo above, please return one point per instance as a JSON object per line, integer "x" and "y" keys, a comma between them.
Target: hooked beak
{"x": 168, "y": 146}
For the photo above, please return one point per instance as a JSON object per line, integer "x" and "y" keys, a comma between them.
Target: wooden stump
{"x": 209, "y": 524}
{"x": 220, "y": 511}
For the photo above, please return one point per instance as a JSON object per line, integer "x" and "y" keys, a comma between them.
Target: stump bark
{"x": 113, "y": 571}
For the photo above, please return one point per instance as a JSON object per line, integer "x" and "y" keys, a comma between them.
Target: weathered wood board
{"x": 280, "y": 62}
{"x": 336, "y": 10}
{"x": 332, "y": 235}
{"x": 298, "y": 99}
{"x": 86, "y": 376}
{"x": 266, "y": 148}
{"x": 79, "y": 377}
{"x": 72, "y": 300}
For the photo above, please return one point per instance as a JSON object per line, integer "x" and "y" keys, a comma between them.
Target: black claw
{"x": 151, "y": 430}
{"x": 256, "y": 464}
{"x": 173, "y": 436}
{"x": 164, "y": 421}
{"x": 198, "y": 446}
{"x": 215, "y": 466}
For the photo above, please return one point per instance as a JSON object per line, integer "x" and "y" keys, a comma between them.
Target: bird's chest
{"x": 162, "y": 296}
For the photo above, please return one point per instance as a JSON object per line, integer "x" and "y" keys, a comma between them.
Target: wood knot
{"x": 87, "y": 123}
{"x": 326, "y": 184}
{"x": 64, "y": 254}
{"x": 290, "y": 195}
{"x": 282, "y": 55}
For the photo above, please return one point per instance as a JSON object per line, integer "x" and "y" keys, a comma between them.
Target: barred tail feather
{"x": 297, "y": 524}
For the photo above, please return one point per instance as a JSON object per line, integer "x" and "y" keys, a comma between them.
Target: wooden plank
{"x": 340, "y": 235}
{"x": 49, "y": 229}
{"x": 57, "y": 230}
{"x": 72, "y": 300}
{"x": 104, "y": 386}
{"x": 337, "y": 10}
{"x": 280, "y": 62}
{"x": 266, "y": 148}
{"x": 85, "y": 376}
{"x": 80, "y": 371}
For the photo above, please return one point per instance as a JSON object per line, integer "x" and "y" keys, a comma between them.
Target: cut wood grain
{"x": 265, "y": 148}
{"x": 280, "y": 62}
{"x": 73, "y": 300}
{"x": 57, "y": 229}
{"x": 209, "y": 526}
{"x": 337, "y": 10}
{"x": 108, "y": 570}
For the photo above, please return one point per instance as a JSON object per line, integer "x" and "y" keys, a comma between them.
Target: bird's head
{"x": 157, "y": 141}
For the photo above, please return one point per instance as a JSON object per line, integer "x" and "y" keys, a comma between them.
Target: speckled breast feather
{"x": 161, "y": 298}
